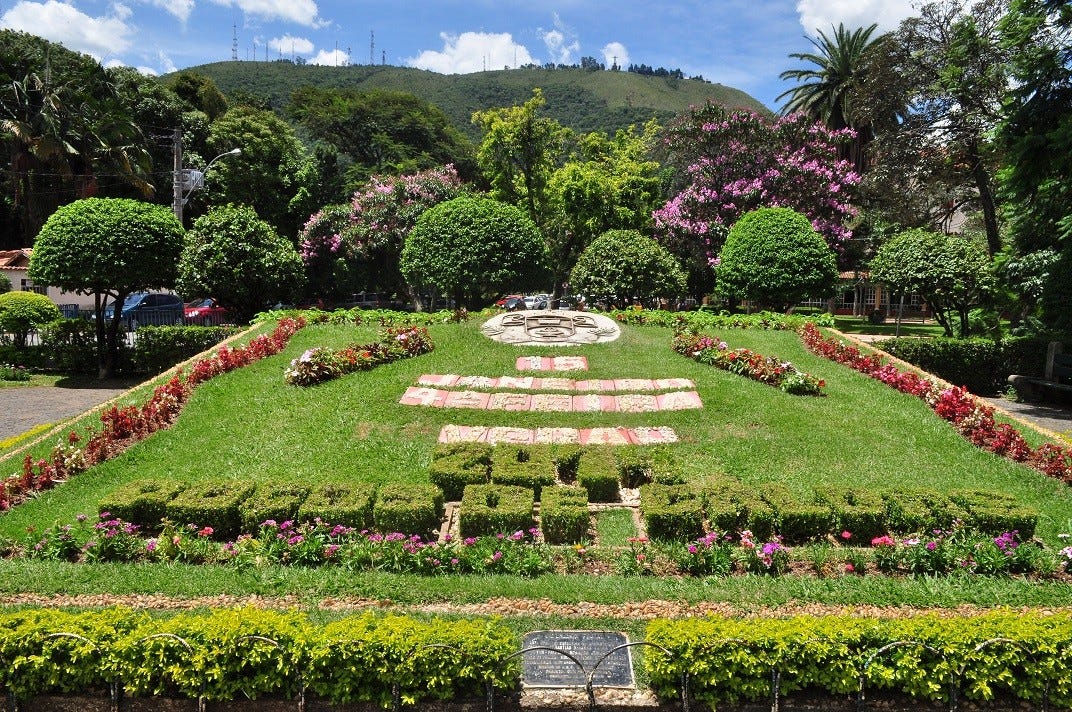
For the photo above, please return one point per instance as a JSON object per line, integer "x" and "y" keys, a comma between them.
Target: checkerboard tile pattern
{"x": 552, "y": 402}
{"x": 530, "y": 383}
{"x": 556, "y": 436}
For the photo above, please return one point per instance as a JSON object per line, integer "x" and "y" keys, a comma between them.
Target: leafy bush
{"x": 773, "y": 256}
{"x": 597, "y": 472}
{"x": 564, "y": 514}
{"x": 495, "y": 509}
{"x": 22, "y": 312}
{"x": 861, "y": 513}
{"x": 158, "y": 348}
{"x": 471, "y": 248}
{"x": 730, "y": 659}
{"x": 70, "y": 345}
{"x": 798, "y": 521}
{"x": 622, "y": 265}
{"x": 408, "y": 508}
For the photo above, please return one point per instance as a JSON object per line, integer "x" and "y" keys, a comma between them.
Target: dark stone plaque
{"x": 547, "y": 667}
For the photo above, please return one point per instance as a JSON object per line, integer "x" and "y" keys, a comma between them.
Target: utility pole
{"x": 176, "y": 149}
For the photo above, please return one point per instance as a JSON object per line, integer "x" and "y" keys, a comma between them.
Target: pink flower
{"x": 206, "y": 532}
{"x": 846, "y": 535}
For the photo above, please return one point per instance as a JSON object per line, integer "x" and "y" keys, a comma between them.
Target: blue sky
{"x": 740, "y": 43}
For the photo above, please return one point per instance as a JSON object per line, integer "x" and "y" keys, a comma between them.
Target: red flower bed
{"x": 121, "y": 427}
{"x": 971, "y": 417}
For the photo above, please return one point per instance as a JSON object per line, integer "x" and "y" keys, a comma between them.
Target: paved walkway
{"x": 23, "y": 409}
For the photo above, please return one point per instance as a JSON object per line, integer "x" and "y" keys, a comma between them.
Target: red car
{"x": 205, "y": 312}
{"x": 508, "y": 298}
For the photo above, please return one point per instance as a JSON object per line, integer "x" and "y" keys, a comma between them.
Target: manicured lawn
{"x": 250, "y": 425}
{"x": 860, "y": 325}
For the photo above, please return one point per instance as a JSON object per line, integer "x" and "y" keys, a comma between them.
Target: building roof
{"x": 15, "y": 259}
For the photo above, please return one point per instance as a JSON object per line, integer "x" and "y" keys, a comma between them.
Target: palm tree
{"x": 829, "y": 91}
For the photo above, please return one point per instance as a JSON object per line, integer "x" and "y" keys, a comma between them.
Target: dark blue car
{"x": 149, "y": 308}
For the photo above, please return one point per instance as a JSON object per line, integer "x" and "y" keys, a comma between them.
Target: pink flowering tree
{"x": 736, "y": 162}
{"x": 357, "y": 247}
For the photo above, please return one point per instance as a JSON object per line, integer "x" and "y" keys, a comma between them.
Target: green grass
{"x": 614, "y": 527}
{"x": 250, "y": 425}
{"x": 860, "y": 325}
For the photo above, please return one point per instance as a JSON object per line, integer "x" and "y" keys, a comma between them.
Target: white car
{"x": 537, "y": 301}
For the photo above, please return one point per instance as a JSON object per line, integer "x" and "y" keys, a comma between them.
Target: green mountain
{"x": 580, "y": 99}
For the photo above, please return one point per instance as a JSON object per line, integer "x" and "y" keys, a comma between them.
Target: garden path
{"x": 25, "y": 408}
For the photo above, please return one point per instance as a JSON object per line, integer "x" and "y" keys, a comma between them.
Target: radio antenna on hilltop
{"x": 234, "y": 42}
{"x": 372, "y": 47}
{"x": 383, "y": 61}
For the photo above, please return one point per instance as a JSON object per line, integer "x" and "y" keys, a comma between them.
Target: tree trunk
{"x": 986, "y": 199}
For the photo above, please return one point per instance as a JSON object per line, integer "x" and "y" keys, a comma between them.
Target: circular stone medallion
{"x": 547, "y": 327}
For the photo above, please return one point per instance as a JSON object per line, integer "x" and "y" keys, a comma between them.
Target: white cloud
{"x": 166, "y": 65}
{"x": 180, "y": 9}
{"x": 331, "y": 58}
{"x": 60, "y": 22}
{"x": 289, "y": 45}
{"x": 615, "y": 52}
{"x": 561, "y": 42}
{"x": 148, "y": 71}
{"x": 816, "y": 15}
{"x": 472, "y": 52}
{"x": 301, "y": 12}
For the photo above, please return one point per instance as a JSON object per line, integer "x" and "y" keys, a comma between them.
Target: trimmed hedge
{"x": 211, "y": 504}
{"x": 597, "y": 472}
{"x": 733, "y": 507}
{"x": 798, "y": 522}
{"x": 408, "y": 509}
{"x": 564, "y": 514}
{"x": 428, "y": 660}
{"x": 349, "y": 505}
{"x": 141, "y": 502}
{"x": 158, "y": 348}
{"x": 980, "y": 365}
{"x": 277, "y": 501}
{"x": 672, "y": 512}
{"x": 730, "y": 659}
{"x": 861, "y": 513}
{"x": 495, "y": 509}
{"x": 996, "y": 512}
{"x": 532, "y": 467}
{"x": 456, "y": 465}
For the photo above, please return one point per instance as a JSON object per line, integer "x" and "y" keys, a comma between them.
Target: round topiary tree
{"x": 623, "y": 265}
{"x": 22, "y": 312}
{"x": 775, "y": 258}
{"x": 239, "y": 259}
{"x": 472, "y": 248}
{"x": 5, "y": 284}
{"x": 111, "y": 248}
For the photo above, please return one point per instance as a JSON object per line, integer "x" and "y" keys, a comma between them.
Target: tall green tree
{"x": 610, "y": 184}
{"x": 830, "y": 91}
{"x": 519, "y": 152}
{"x": 110, "y": 248}
{"x": 1036, "y": 135}
{"x": 273, "y": 174}
{"x": 949, "y": 68}
{"x": 621, "y": 266}
{"x": 382, "y": 132}
{"x": 238, "y": 258}
{"x": 66, "y": 133}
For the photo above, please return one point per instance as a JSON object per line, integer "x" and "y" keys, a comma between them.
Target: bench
{"x": 1057, "y": 377}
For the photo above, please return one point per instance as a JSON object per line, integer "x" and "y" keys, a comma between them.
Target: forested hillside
{"x": 580, "y": 99}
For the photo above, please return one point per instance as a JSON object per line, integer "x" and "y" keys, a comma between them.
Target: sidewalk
{"x": 23, "y": 409}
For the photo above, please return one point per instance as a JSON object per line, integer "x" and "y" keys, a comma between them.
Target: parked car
{"x": 533, "y": 301}
{"x": 148, "y": 308}
{"x": 362, "y": 300}
{"x": 502, "y": 302}
{"x": 206, "y": 312}
{"x": 513, "y": 303}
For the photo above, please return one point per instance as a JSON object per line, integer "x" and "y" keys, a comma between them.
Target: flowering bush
{"x": 958, "y": 550}
{"x": 121, "y": 427}
{"x": 741, "y": 161}
{"x": 323, "y": 364}
{"x": 769, "y": 557}
{"x": 710, "y": 555}
{"x": 766, "y": 369}
{"x": 973, "y": 418}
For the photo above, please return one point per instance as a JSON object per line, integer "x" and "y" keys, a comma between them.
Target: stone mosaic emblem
{"x": 550, "y": 328}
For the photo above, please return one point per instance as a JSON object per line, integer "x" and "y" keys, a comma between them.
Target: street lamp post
{"x": 187, "y": 180}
